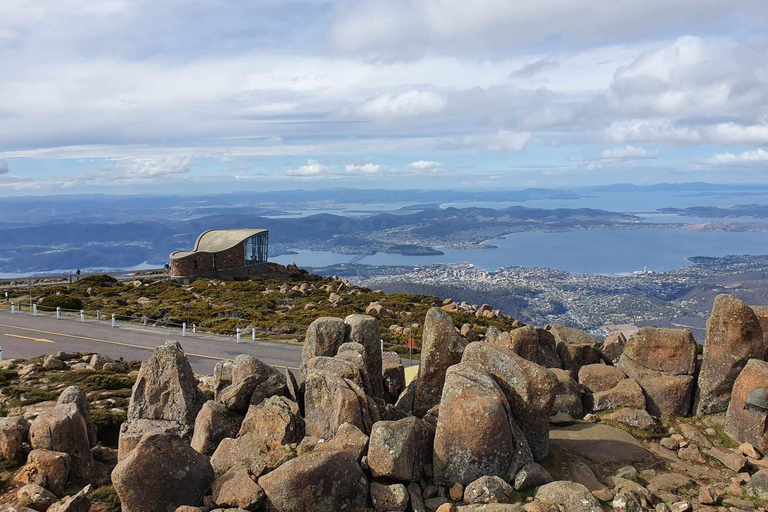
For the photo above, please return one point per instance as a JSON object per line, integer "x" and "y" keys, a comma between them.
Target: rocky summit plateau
{"x": 534, "y": 418}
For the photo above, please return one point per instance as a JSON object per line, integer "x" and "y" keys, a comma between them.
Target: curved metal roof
{"x": 217, "y": 240}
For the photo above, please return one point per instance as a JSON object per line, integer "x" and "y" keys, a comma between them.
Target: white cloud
{"x": 424, "y": 165}
{"x": 313, "y": 168}
{"x": 142, "y": 168}
{"x": 628, "y": 153}
{"x": 503, "y": 141}
{"x": 535, "y": 68}
{"x": 363, "y": 168}
{"x": 406, "y": 104}
{"x": 4, "y": 168}
{"x": 747, "y": 158}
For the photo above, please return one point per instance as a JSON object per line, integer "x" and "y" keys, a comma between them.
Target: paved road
{"x": 25, "y": 336}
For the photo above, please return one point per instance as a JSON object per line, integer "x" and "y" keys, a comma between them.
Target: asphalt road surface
{"x": 24, "y": 336}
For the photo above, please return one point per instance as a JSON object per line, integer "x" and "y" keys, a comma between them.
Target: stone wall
{"x": 203, "y": 262}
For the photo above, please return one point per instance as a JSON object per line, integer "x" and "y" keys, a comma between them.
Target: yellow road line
{"x": 131, "y": 345}
{"x": 42, "y": 340}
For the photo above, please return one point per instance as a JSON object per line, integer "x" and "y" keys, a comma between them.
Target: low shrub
{"x": 62, "y": 301}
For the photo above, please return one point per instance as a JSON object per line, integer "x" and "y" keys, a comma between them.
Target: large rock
{"x": 671, "y": 351}
{"x": 488, "y": 489}
{"x": 166, "y": 388}
{"x": 276, "y": 421}
{"x": 393, "y": 373}
{"x": 162, "y": 473}
{"x": 324, "y": 337}
{"x": 14, "y": 433}
{"x": 666, "y": 394}
{"x": 627, "y": 393}
{"x": 364, "y": 329}
{"x": 389, "y": 498}
{"x": 570, "y": 335}
{"x": 570, "y": 496}
{"x": 47, "y": 469}
{"x": 131, "y": 432}
{"x": 355, "y": 354}
{"x": 599, "y": 377}
{"x": 317, "y": 482}
{"x": 75, "y": 395}
{"x": 63, "y": 429}
{"x": 339, "y": 366}
{"x": 529, "y": 389}
{"x": 330, "y": 401}
{"x": 531, "y": 343}
{"x": 734, "y": 336}
{"x": 214, "y": 422}
{"x": 567, "y": 394}
{"x": 248, "y": 450}
{"x": 747, "y": 417}
{"x": 476, "y": 432}
{"x": 761, "y": 312}
{"x": 574, "y": 356}
{"x": 237, "y": 489}
{"x": 613, "y": 346}
{"x": 348, "y": 438}
{"x": 399, "y": 449}
{"x": 441, "y": 347}
{"x": 252, "y": 382}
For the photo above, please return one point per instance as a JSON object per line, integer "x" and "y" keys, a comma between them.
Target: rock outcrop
{"x": 734, "y": 336}
{"x": 163, "y": 472}
{"x": 476, "y": 433}
{"x": 663, "y": 362}
{"x": 747, "y": 416}
{"x": 441, "y": 348}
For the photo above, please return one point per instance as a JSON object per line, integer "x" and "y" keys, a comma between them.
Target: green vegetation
{"x": 222, "y": 306}
{"x": 93, "y": 381}
{"x": 61, "y": 301}
{"x": 106, "y": 495}
{"x": 20, "y": 396}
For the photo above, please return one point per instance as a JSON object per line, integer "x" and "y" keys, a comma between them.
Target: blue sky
{"x": 135, "y": 96}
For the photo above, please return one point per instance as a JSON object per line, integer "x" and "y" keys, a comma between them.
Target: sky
{"x": 172, "y": 96}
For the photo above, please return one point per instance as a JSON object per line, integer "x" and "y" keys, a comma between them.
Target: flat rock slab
{"x": 601, "y": 444}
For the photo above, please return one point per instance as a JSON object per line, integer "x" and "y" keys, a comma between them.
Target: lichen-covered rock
{"x": 330, "y": 401}
{"x": 14, "y": 433}
{"x": 131, "y": 432}
{"x": 389, "y": 498}
{"x": 626, "y": 393}
{"x": 399, "y": 449}
{"x": 75, "y": 395}
{"x": 63, "y": 429}
{"x": 441, "y": 347}
{"x": 248, "y": 450}
{"x": 276, "y": 421}
{"x": 364, "y": 329}
{"x": 671, "y": 351}
{"x": 47, "y": 469}
{"x": 318, "y": 482}
{"x": 734, "y": 336}
{"x": 476, "y": 432}
{"x": 163, "y": 472}
{"x": 532, "y": 343}
{"x": 488, "y": 489}
{"x": 35, "y": 496}
{"x": 393, "y": 373}
{"x": 599, "y": 377}
{"x": 613, "y": 346}
{"x": 355, "y": 354}
{"x": 666, "y": 394}
{"x": 324, "y": 336}
{"x": 567, "y": 394}
{"x": 237, "y": 489}
{"x": 214, "y": 422}
{"x": 529, "y": 389}
{"x": 576, "y": 355}
{"x": 570, "y": 496}
{"x": 348, "y": 438}
{"x": 252, "y": 382}
{"x": 747, "y": 418}
{"x": 530, "y": 476}
{"x": 166, "y": 388}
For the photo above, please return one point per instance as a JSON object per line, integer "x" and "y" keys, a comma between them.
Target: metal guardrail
{"x": 114, "y": 320}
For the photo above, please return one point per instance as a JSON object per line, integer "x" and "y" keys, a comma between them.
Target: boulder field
{"x": 538, "y": 419}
